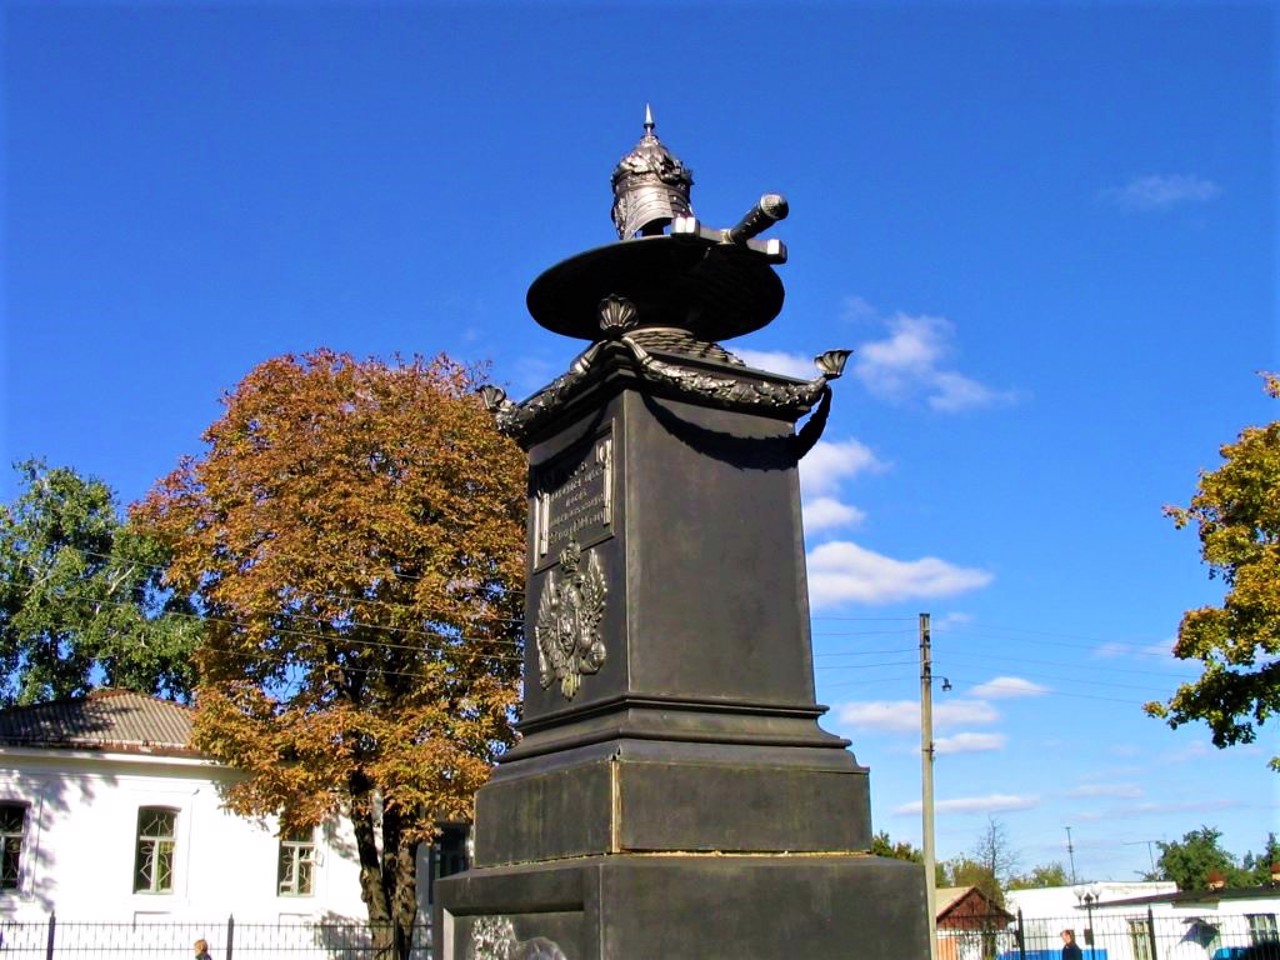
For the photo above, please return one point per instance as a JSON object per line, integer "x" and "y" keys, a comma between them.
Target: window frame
{"x": 1262, "y": 928}
{"x": 12, "y": 882}
{"x": 1140, "y": 938}
{"x": 150, "y": 852}
{"x": 295, "y": 851}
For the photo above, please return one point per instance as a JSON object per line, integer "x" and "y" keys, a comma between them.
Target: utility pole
{"x": 926, "y": 779}
{"x": 1071, "y": 853}
{"x": 1150, "y": 850}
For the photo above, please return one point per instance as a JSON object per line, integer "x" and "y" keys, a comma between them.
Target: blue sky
{"x": 1047, "y": 231}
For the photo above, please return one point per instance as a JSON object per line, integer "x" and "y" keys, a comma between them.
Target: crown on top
{"x": 650, "y": 186}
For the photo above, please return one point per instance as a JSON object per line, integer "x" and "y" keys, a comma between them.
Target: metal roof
{"x": 104, "y": 720}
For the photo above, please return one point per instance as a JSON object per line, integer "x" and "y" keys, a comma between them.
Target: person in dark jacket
{"x": 1070, "y": 949}
{"x": 202, "y": 950}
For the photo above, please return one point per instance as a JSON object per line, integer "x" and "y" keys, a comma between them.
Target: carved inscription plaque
{"x": 573, "y": 499}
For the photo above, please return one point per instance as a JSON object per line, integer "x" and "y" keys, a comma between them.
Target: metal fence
{"x": 228, "y": 940}
{"x": 1114, "y": 936}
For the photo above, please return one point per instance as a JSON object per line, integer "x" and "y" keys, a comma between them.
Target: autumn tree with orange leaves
{"x": 1237, "y": 510}
{"x": 354, "y": 536}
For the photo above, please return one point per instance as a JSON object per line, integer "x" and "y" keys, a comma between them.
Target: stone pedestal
{"x": 634, "y": 907}
{"x": 673, "y": 795}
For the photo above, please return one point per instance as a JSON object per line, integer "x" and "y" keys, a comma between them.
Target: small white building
{"x": 106, "y": 815}
{"x": 1150, "y": 921}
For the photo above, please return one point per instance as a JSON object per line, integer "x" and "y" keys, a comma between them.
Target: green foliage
{"x": 1044, "y": 875}
{"x": 882, "y": 846}
{"x": 81, "y": 602}
{"x": 1258, "y": 865}
{"x": 1237, "y": 510}
{"x": 963, "y": 871}
{"x": 1189, "y": 862}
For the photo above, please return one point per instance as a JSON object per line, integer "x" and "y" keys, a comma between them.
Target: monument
{"x": 672, "y": 794}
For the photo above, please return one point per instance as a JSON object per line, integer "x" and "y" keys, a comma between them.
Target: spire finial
{"x": 650, "y": 186}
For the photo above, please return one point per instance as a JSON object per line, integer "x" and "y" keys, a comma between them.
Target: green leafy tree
{"x": 1189, "y": 862}
{"x": 964, "y": 871}
{"x": 1258, "y": 865}
{"x": 1237, "y": 510}
{"x": 81, "y": 599}
{"x": 1043, "y": 875}
{"x": 355, "y": 535}
{"x": 882, "y": 846}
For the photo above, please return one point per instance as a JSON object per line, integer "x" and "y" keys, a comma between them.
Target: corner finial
{"x": 649, "y": 125}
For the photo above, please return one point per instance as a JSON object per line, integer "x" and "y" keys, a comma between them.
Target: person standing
{"x": 202, "y": 950}
{"x": 1070, "y": 949}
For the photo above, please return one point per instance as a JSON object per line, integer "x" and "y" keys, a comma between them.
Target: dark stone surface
{"x": 703, "y": 558}
{"x": 633, "y": 907}
{"x": 714, "y": 291}
{"x": 683, "y": 801}
{"x": 653, "y": 796}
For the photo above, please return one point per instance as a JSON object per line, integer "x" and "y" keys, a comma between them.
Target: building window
{"x": 13, "y": 822}
{"x": 1140, "y": 938}
{"x": 296, "y": 874}
{"x": 153, "y": 863}
{"x": 1262, "y": 926}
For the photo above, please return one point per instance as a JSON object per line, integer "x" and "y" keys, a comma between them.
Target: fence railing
{"x": 1139, "y": 935}
{"x": 228, "y": 940}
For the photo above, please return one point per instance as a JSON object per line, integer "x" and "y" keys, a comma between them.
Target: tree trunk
{"x": 404, "y": 904}
{"x": 399, "y": 877}
{"x": 372, "y": 889}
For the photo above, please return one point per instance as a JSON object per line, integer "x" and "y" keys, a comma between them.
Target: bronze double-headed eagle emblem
{"x": 569, "y": 616}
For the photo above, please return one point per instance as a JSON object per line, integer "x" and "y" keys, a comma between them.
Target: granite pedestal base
{"x": 652, "y": 907}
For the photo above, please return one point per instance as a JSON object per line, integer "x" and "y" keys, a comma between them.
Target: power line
{"x": 867, "y": 619}
{"x": 404, "y": 631}
{"x": 859, "y": 653}
{"x": 263, "y": 656}
{"x": 1057, "y": 663}
{"x": 1092, "y": 642}
{"x": 328, "y": 638}
{"x": 391, "y": 574}
{"x": 1065, "y": 693}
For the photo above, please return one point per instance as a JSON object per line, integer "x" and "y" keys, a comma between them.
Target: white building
{"x": 1150, "y": 921}
{"x": 107, "y": 815}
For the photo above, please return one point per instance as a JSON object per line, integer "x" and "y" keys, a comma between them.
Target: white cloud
{"x": 954, "y": 392}
{"x": 969, "y": 743}
{"x": 1126, "y": 790}
{"x": 829, "y": 464}
{"x": 904, "y": 715}
{"x": 842, "y": 572}
{"x": 909, "y": 362}
{"x": 826, "y": 513}
{"x": 855, "y": 309}
{"x": 1196, "y": 806}
{"x": 1195, "y": 750}
{"x": 1162, "y": 191}
{"x": 1005, "y": 688}
{"x": 777, "y": 361}
{"x": 991, "y": 803}
{"x": 955, "y": 712}
{"x": 901, "y": 715}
